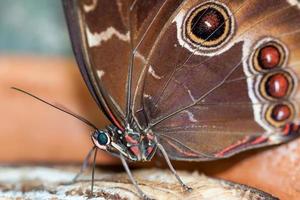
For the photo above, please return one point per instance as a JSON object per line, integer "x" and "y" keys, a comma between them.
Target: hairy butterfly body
{"x": 195, "y": 79}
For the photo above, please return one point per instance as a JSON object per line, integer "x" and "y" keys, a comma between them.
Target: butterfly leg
{"x": 163, "y": 151}
{"x": 93, "y": 172}
{"x": 84, "y": 165}
{"x": 125, "y": 165}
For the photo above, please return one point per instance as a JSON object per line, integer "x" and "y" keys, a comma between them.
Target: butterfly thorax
{"x": 135, "y": 145}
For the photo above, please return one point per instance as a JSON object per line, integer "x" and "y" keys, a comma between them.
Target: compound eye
{"x": 102, "y": 138}
{"x": 208, "y": 25}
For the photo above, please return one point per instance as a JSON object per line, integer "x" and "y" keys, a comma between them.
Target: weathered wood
{"x": 50, "y": 183}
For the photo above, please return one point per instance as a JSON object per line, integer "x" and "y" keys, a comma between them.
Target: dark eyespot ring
{"x": 102, "y": 138}
{"x": 269, "y": 55}
{"x": 277, "y": 85}
{"x": 280, "y": 114}
{"x": 208, "y": 25}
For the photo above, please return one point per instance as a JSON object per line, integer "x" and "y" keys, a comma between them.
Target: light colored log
{"x": 50, "y": 183}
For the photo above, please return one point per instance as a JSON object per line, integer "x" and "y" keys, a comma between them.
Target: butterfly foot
{"x": 187, "y": 188}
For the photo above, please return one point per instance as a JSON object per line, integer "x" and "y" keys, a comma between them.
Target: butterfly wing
{"x": 206, "y": 101}
{"x": 202, "y": 103}
{"x": 101, "y": 43}
{"x": 105, "y": 35}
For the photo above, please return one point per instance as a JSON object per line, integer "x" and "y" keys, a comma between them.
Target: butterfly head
{"x": 109, "y": 139}
{"x": 131, "y": 144}
{"x": 102, "y": 139}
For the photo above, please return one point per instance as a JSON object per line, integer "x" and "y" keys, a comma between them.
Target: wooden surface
{"x": 53, "y": 183}
{"x": 32, "y": 132}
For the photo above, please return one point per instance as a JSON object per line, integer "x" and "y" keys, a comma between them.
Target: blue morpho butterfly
{"x": 196, "y": 80}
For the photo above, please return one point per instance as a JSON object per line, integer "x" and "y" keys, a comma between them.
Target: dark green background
{"x": 33, "y": 27}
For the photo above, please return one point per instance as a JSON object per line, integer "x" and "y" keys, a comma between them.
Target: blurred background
{"x": 33, "y": 26}
{"x": 36, "y": 55}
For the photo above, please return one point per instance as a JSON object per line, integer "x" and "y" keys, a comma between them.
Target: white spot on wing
{"x": 192, "y": 97}
{"x": 152, "y": 72}
{"x": 140, "y": 56}
{"x": 100, "y": 73}
{"x": 294, "y": 3}
{"x": 208, "y": 24}
{"x": 147, "y": 96}
{"x": 95, "y": 39}
{"x": 90, "y": 7}
{"x": 190, "y": 115}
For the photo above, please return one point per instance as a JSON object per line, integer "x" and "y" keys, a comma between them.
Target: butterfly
{"x": 196, "y": 80}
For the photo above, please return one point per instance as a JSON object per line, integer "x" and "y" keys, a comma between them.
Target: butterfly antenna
{"x": 58, "y": 108}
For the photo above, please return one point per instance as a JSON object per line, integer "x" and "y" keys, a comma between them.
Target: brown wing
{"x": 104, "y": 35}
{"x": 206, "y": 100}
{"x": 148, "y": 19}
{"x": 100, "y": 39}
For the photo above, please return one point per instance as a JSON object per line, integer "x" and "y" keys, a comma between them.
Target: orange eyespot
{"x": 280, "y": 114}
{"x": 268, "y": 56}
{"x": 276, "y": 85}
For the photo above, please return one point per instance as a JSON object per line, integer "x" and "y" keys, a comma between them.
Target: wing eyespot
{"x": 276, "y": 85}
{"x": 208, "y": 25}
{"x": 268, "y": 56}
{"x": 274, "y": 82}
{"x": 278, "y": 115}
